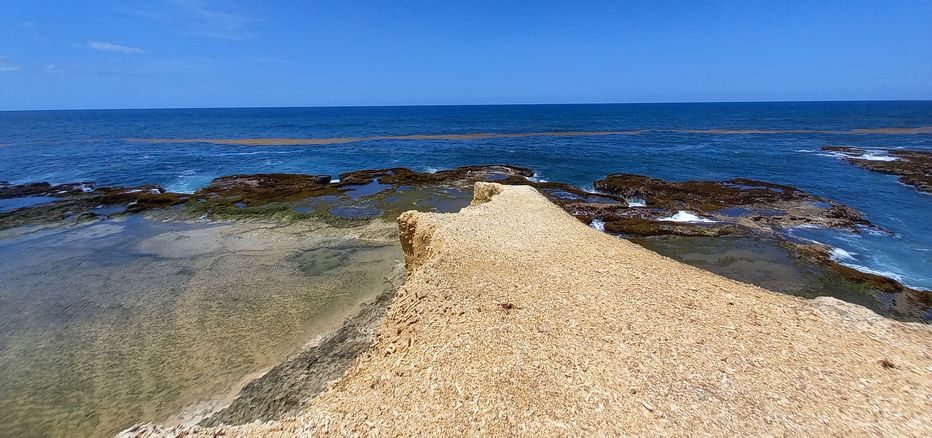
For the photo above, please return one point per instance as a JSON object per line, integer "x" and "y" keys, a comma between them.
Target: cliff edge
{"x": 517, "y": 319}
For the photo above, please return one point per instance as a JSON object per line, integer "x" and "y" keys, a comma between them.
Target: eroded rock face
{"x": 913, "y": 167}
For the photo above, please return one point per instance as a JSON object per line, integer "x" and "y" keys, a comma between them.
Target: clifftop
{"x": 517, "y": 318}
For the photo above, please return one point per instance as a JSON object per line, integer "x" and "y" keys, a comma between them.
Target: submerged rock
{"x": 79, "y": 202}
{"x": 913, "y": 167}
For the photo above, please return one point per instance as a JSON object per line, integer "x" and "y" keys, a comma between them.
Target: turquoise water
{"x": 65, "y": 146}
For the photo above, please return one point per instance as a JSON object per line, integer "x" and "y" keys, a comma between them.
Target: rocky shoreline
{"x": 913, "y": 167}
{"x": 627, "y": 205}
{"x": 501, "y": 330}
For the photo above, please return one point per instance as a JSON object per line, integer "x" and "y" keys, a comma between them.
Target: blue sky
{"x": 213, "y": 53}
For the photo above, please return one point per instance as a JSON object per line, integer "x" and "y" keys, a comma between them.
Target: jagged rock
{"x": 646, "y": 227}
{"x": 263, "y": 188}
{"x": 402, "y": 176}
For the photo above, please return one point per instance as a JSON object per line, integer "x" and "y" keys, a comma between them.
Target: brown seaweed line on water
{"x": 485, "y": 135}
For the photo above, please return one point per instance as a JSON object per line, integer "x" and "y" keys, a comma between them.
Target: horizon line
{"x": 463, "y": 105}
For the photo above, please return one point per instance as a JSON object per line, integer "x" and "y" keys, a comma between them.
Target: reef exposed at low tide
{"x": 627, "y": 205}
{"x": 913, "y": 167}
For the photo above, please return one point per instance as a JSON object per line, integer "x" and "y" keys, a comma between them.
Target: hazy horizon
{"x": 469, "y": 104}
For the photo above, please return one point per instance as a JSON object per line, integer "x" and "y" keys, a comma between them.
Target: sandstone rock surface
{"x": 517, "y": 319}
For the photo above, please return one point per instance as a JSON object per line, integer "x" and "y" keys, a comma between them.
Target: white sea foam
{"x": 867, "y": 155}
{"x": 536, "y": 178}
{"x": 637, "y": 202}
{"x": 876, "y": 156}
{"x": 334, "y": 180}
{"x": 598, "y": 224}
{"x": 685, "y": 216}
{"x": 839, "y": 254}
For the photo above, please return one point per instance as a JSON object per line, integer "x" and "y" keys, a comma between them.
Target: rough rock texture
{"x": 78, "y": 201}
{"x": 913, "y": 167}
{"x": 258, "y": 189}
{"x": 517, "y": 319}
{"x": 402, "y": 176}
{"x": 287, "y": 386}
{"x": 821, "y": 255}
{"x": 759, "y": 204}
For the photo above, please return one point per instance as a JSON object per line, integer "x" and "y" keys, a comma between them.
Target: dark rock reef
{"x": 400, "y": 176}
{"x": 646, "y": 206}
{"x": 625, "y": 204}
{"x": 913, "y": 167}
{"x": 263, "y": 188}
{"x": 79, "y": 202}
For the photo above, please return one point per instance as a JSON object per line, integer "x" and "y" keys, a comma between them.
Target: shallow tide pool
{"x": 124, "y": 321}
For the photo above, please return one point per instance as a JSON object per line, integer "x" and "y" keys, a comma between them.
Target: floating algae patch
{"x": 772, "y": 266}
{"x": 120, "y": 321}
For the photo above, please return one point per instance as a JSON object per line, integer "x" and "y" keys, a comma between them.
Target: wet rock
{"x": 258, "y": 189}
{"x": 402, "y": 176}
{"x": 646, "y": 227}
{"x": 75, "y": 202}
{"x": 749, "y": 203}
{"x": 913, "y": 167}
{"x": 822, "y": 255}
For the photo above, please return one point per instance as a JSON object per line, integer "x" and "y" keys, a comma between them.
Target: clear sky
{"x": 215, "y": 53}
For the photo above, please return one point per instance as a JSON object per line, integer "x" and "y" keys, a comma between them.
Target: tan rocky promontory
{"x": 517, "y": 319}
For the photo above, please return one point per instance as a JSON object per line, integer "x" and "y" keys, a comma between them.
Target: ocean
{"x": 775, "y": 142}
{"x": 110, "y": 322}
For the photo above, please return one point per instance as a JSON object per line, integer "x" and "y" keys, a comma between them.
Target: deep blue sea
{"x": 67, "y": 146}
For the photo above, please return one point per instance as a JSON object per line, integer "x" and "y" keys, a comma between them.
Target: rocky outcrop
{"x": 517, "y": 319}
{"x": 401, "y": 176}
{"x": 913, "y": 167}
{"x": 259, "y": 189}
{"x": 81, "y": 201}
{"x": 750, "y": 203}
